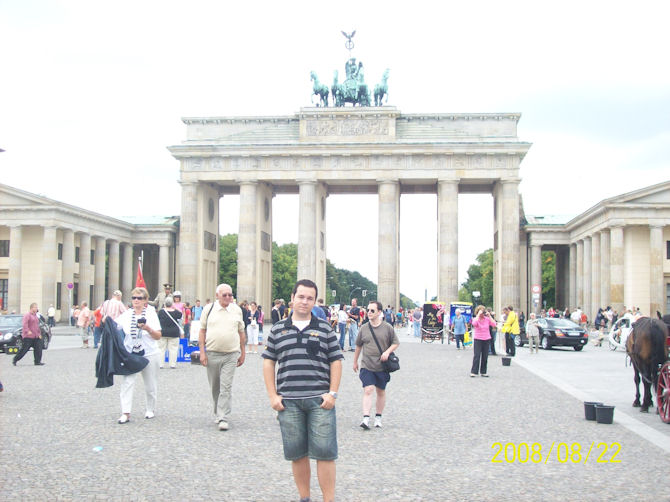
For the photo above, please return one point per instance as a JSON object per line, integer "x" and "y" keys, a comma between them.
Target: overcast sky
{"x": 93, "y": 93}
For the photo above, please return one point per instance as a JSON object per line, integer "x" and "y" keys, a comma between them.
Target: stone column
{"x": 164, "y": 266}
{"x": 562, "y": 270}
{"x": 389, "y": 248}
{"x": 447, "y": 240}
{"x": 509, "y": 244}
{"x": 579, "y": 276}
{"x": 307, "y": 230}
{"x": 85, "y": 268}
{"x": 246, "y": 242}
{"x": 587, "y": 279}
{"x": 616, "y": 268}
{"x": 113, "y": 281}
{"x": 67, "y": 274}
{"x": 656, "y": 281}
{"x": 127, "y": 283}
{"x": 595, "y": 275}
{"x": 604, "y": 268}
{"x": 49, "y": 263}
{"x": 99, "y": 272}
{"x": 188, "y": 240}
{"x": 573, "y": 278}
{"x": 536, "y": 275}
{"x": 14, "y": 282}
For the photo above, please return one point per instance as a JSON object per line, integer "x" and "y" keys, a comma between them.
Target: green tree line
{"x": 480, "y": 278}
{"x": 345, "y": 283}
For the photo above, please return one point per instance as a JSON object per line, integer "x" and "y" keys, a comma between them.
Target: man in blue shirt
{"x": 458, "y": 327}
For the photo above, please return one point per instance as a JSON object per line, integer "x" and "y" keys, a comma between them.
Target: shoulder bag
{"x": 393, "y": 362}
{"x": 181, "y": 330}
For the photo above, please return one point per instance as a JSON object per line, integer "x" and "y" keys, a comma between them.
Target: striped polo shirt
{"x": 303, "y": 357}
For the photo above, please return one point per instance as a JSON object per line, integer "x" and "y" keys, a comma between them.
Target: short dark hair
{"x": 380, "y": 307}
{"x": 308, "y": 284}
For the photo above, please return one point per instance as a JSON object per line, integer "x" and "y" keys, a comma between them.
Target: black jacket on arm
{"x": 113, "y": 358}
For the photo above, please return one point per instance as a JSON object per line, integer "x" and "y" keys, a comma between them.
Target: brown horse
{"x": 647, "y": 349}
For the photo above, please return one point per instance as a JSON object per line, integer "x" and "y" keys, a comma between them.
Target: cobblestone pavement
{"x": 60, "y": 439}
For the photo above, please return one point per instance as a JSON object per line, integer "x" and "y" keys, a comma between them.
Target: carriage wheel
{"x": 663, "y": 393}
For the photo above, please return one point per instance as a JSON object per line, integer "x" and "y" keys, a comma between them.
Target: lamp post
{"x": 352, "y": 292}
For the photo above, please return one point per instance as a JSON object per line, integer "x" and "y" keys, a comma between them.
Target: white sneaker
{"x": 365, "y": 424}
{"x": 149, "y": 415}
{"x": 124, "y": 419}
{"x": 378, "y": 422}
{"x": 223, "y": 425}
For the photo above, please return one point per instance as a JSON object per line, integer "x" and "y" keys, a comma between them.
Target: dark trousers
{"x": 492, "y": 348}
{"x": 36, "y": 344}
{"x": 481, "y": 356}
{"x": 97, "y": 333}
{"x": 510, "y": 348}
{"x": 459, "y": 341}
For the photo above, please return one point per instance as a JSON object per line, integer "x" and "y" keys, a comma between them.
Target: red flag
{"x": 139, "y": 282}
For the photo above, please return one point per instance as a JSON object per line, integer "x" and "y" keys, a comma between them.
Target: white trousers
{"x": 171, "y": 344}
{"x": 150, "y": 378}
{"x": 252, "y": 334}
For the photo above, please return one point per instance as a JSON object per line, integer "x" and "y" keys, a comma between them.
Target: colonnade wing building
{"x": 617, "y": 253}
{"x": 46, "y": 246}
{"x": 321, "y": 151}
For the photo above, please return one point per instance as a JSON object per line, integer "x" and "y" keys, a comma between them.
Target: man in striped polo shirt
{"x": 304, "y": 393}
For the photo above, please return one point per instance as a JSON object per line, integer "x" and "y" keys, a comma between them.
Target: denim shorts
{"x": 377, "y": 378}
{"x": 308, "y": 430}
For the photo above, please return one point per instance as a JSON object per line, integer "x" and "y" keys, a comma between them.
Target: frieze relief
{"x": 356, "y": 127}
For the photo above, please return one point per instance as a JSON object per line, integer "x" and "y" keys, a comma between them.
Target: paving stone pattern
{"x": 60, "y": 439}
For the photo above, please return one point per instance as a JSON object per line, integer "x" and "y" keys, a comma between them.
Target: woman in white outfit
{"x": 252, "y": 329}
{"x": 142, "y": 329}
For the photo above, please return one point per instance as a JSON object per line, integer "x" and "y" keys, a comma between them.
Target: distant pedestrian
{"x": 275, "y": 314}
{"x": 197, "y": 310}
{"x": 304, "y": 389}
{"x": 113, "y": 307}
{"x": 355, "y": 317}
{"x": 51, "y": 315}
{"x": 254, "y": 317}
{"x": 342, "y": 319}
{"x": 169, "y": 318}
{"x": 31, "y": 336}
{"x": 481, "y": 334}
{"x": 83, "y": 321}
{"x": 510, "y": 329}
{"x": 97, "y": 326}
{"x": 417, "y": 316}
{"x": 533, "y": 333}
{"x": 458, "y": 327}
{"x": 372, "y": 373}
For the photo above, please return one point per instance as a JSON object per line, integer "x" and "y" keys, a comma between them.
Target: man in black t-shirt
{"x": 355, "y": 317}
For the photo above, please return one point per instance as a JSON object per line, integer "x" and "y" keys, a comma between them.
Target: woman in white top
{"x": 142, "y": 329}
{"x": 342, "y": 319}
{"x": 252, "y": 329}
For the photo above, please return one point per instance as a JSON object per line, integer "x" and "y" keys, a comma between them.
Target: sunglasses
{"x": 372, "y": 311}
{"x": 137, "y": 297}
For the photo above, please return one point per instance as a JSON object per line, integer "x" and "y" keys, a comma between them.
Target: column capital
{"x": 388, "y": 181}
{"x": 510, "y": 181}
{"x": 306, "y": 181}
{"x": 247, "y": 182}
{"x": 656, "y": 225}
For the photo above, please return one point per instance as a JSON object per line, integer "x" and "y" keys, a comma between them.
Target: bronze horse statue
{"x": 646, "y": 346}
{"x": 382, "y": 89}
{"x": 319, "y": 89}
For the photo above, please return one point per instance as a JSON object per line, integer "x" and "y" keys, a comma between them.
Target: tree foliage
{"x": 480, "y": 278}
{"x": 549, "y": 279}
{"x": 347, "y": 284}
{"x": 228, "y": 260}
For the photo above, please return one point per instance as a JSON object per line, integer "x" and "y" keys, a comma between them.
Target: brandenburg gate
{"x": 321, "y": 151}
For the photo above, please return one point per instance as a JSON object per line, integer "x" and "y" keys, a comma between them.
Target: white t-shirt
{"x": 144, "y": 342}
{"x": 342, "y": 316}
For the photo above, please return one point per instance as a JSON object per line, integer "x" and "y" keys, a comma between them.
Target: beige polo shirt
{"x": 222, "y": 327}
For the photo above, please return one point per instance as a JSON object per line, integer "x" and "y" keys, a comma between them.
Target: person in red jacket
{"x": 31, "y": 337}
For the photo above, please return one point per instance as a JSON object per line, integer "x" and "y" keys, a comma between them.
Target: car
{"x": 11, "y": 327}
{"x": 555, "y": 332}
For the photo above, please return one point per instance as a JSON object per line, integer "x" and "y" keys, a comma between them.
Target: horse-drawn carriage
{"x": 432, "y": 323}
{"x": 647, "y": 347}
